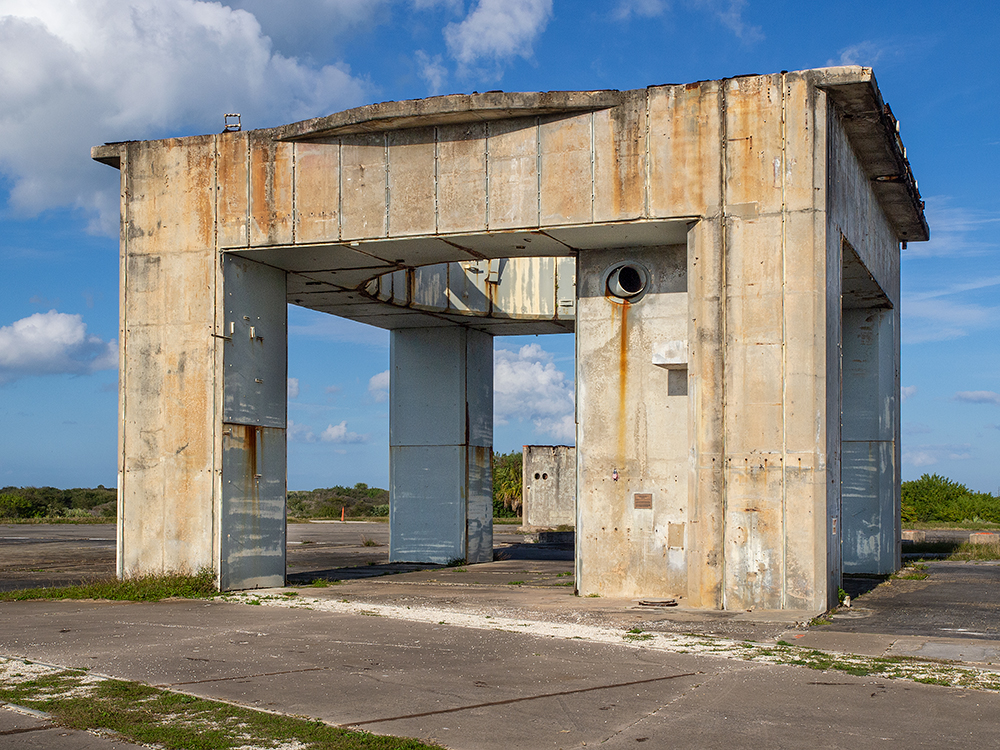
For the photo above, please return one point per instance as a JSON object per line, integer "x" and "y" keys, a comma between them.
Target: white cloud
{"x": 955, "y": 230}
{"x": 865, "y": 53}
{"x": 52, "y": 343}
{"x": 496, "y": 31}
{"x": 640, "y": 8}
{"x": 340, "y": 434}
{"x": 528, "y": 386}
{"x": 332, "y": 389}
{"x": 978, "y": 397}
{"x": 293, "y": 388}
{"x": 907, "y": 391}
{"x": 324, "y": 327}
{"x": 928, "y": 317}
{"x": 334, "y": 433}
{"x": 432, "y": 70}
{"x": 378, "y": 387}
{"x": 74, "y": 75}
{"x": 730, "y": 14}
{"x": 928, "y": 455}
{"x": 727, "y": 12}
{"x": 313, "y": 27}
{"x": 300, "y": 433}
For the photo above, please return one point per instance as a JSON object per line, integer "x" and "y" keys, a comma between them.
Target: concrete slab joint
{"x": 726, "y": 253}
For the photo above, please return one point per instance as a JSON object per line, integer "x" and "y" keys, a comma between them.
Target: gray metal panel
{"x": 427, "y": 401}
{"x": 479, "y": 388}
{"x": 427, "y": 520}
{"x": 479, "y": 509}
{"x": 255, "y": 356}
{"x": 252, "y": 543}
{"x": 868, "y": 544}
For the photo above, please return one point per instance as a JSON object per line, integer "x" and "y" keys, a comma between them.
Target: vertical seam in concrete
{"x": 723, "y": 302}
{"x": 648, "y": 176}
{"x": 486, "y": 164}
{"x": 578, "y": 536}
{"x": 249, "y": 191}
{"x": 217, "y": 477}
{"x": 593, "y": 173}
{"x": 538, "y": 171}
{"x": 437, "y": 194}
{"x": 340, "y": 188}
{"x": 385, "y": 145}
{"x": 122, "y": 369}
{"x": 784, "y": 353}
{"x": 294, "y": 209}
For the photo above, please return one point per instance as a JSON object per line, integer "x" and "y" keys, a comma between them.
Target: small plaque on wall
{"x": 643, "y": 500}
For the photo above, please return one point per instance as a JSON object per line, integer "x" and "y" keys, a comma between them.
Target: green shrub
{"x": 934, "y": 498}
{"x": 15, "y": 506}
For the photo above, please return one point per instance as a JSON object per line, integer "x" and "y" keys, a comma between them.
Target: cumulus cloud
{"x": 378, "y": 387}
{"x": 338, "y": 433}
{"x": 528, "y": 386}
{"x": 300, "y": 433}
{"x": 293, "y": 388}
{"x": 73, "y": 75}
{"x": 978, "y": 397}
{"x": 52, "y": 343}
{"x": 496, "y": 31}
{"x": 907, "y": 391}
{"x": 432, "y": 71}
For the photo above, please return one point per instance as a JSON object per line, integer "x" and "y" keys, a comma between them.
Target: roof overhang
{"x": 874, "y": 134}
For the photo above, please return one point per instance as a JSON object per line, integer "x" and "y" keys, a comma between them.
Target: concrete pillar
{"x": 869, "y": 468}
{"x": 440, "y": 445}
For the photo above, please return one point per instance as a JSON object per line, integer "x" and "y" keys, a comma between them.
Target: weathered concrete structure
{"x": 727, "y": 253}
{"x": 548, "y": 486}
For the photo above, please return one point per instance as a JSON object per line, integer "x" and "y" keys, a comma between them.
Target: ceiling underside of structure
{"x": 332, "y": 278}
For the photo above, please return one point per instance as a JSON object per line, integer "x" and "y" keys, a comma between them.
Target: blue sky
{"x": 73, "y": 75}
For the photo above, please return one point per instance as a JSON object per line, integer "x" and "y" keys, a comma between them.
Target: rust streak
{"x": 622, "y": 381}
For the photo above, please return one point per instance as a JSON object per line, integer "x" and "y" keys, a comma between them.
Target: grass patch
{"x": 322, "y": 583}
{"x": 135, "y": 589}
{"x": 969, "y": 551}
{"x": 143, "y": 714}
{"x": 369, "y": 542}
{"x": 914, "y": 572}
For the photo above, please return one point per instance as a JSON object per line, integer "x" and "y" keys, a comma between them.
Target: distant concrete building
{"x": 727, "y": 253}
{"x": 548, "y": 486}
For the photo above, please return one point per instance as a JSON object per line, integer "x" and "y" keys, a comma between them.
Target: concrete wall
{"x": 633, "y": 440}
{"x": 548, "y": 486}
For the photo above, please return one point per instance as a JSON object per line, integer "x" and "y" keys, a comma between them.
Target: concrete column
{"x": 869, "y": 481}
{"x": 440, "y": 445}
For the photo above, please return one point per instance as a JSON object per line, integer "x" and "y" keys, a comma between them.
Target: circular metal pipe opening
{"x": 627, "y": 281}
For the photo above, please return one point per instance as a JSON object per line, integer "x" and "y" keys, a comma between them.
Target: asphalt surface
{"x": 453, "y": 680}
